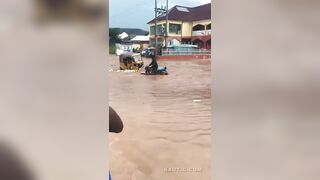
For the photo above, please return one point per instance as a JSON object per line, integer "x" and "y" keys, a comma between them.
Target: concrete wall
{"x": 187, "y": 29}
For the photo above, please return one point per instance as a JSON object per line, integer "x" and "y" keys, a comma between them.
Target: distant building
{"x": 140, "y": 42}
{"x": 186, "y": 25}
{"x": 123, "y": 47}
{"x": 131, "y": 44}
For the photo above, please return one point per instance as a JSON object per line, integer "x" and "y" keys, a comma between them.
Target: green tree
{"x": 113, "y": 39}
{"x": 113, "y": 35}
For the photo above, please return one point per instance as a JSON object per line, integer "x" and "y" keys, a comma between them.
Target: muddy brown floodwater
{"x": 167, "y": 122}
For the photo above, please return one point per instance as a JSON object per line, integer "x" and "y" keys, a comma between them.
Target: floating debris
{"x": 129, "y": 71}
{"x": 196, "y": 100}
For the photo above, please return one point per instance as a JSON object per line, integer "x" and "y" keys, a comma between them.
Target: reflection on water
{"x": 167, "y": 122}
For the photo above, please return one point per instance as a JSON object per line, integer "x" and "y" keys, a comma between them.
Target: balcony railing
{"x": 201, "y": 33}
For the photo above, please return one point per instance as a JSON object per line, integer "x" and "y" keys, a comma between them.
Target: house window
{"x": 160, "y": 30}
{"x": 174, "y": 28}
{"x": 198, "y": 27}
{"x": 208, "y": 27}
{"x": 152, "y": 30}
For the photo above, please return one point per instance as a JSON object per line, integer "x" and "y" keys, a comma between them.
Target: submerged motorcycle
{"x": 162, "y": 70}
{"x": 149, "y": 70}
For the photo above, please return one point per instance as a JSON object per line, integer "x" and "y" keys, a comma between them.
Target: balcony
{"x": 201, "y": 33}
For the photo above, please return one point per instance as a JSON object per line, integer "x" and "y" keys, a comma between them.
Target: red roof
{"x": 182, "y": 13}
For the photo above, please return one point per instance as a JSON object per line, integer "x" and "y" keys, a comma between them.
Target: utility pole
{"x": 159, "y": 11}
{"x": 167, "y": 27}
{"x": 156, "y": 27}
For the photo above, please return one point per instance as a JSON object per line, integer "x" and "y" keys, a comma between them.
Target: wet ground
{"x": 167, "y": 122}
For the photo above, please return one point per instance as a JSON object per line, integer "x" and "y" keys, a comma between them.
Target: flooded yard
{"x": 167, "y": 122}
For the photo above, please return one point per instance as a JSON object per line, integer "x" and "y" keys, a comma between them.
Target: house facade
{"x": 140, "y": 42}
{"x": 185, "y": 25}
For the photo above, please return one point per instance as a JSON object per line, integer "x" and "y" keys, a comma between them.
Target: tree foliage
{"x": 113, "y": 35}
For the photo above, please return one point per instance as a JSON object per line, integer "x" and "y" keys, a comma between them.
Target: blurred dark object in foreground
{"x": 115, "y": 122}
{"x": 69, "y": 10}
{"x": 11, "y": 167}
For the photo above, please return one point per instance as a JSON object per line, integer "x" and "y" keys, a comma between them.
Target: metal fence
{"x": 168, "y": 52}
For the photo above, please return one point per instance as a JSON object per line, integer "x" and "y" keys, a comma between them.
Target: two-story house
{"x": 185, "y": 25}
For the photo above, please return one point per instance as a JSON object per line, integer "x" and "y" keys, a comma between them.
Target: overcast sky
{"x": 136, "y": 13}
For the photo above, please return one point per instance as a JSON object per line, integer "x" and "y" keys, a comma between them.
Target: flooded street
{"x": 167, "y": 122}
